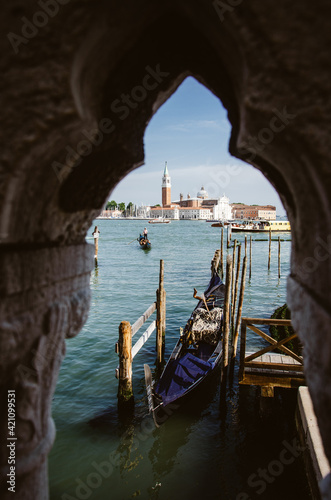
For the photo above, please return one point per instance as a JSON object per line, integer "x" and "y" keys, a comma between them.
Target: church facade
{"x": 200, "y": 207}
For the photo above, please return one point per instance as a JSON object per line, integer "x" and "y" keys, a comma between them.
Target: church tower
{"x": 166, "y": 187}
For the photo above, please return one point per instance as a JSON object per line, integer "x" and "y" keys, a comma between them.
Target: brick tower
{"x": 166, "y": 187}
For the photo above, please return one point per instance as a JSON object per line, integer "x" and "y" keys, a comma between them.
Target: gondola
{"x": 144, "y": 243}
{"x": 196, "y": 354}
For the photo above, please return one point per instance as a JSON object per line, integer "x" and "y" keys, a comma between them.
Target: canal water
{"x": 217, "y": 446}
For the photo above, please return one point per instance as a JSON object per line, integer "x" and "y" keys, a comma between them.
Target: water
{"x": 217, "y": 444}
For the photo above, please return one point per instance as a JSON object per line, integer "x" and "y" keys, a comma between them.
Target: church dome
{"x": 202, "y": 193}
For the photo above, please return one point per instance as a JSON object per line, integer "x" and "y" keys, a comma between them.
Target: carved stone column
{"x": 45, "y": 298}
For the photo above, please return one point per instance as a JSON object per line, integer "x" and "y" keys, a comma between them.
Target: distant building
{"x": 241, "y": 211}
{"x": 199, "y": 207}
{"x": 166, "y": 188}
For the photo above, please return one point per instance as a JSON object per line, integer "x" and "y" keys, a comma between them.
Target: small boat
{"x": 196, "y": 354}
{"x": 159, "y": 220}
{"x": 144, "y": 243}
{"x": 262, "y": 226}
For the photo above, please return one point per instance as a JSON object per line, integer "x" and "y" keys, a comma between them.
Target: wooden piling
{"x": 233, "y": 283}
{"x": 269, "y": 257}
{"x": 95, "y": 235}
{"x": 226, "y": 322}
{"x": 125, "y": 392}
{"x": 250, "y": 257}
{"x": 245, "y": 245}
{"x": 278, "y": 257}
{"x": 221, "y": 258}
{"x": 160, "y": 316}
{"x": 240, "y": 306}
{"x": 236, "y": 290}
{"x": 228, "y": 236}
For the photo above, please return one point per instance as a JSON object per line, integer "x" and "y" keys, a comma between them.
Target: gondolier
{"x": 145, "y": 233}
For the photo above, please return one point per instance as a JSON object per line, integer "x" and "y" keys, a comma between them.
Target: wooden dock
{"x": 265, "y": 368}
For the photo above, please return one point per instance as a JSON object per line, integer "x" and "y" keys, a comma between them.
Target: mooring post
{"x": 232, "y": 282}
{"x": 221, "y": 258}
{"x": 228, "y": 236}
{"x": 250, "y": 257}
{"x": 160, "y": 316}
{"x": 240, "y": 307}
{"x": 245, "y": 245}
{"x": 125, "y": 392}
{"x": 226, "y": 312}
{"x": 269, "y": 249}
{"x": 236, "y": 290}
{"x": 279, "y": 257}
{"x": 95, "y": 235}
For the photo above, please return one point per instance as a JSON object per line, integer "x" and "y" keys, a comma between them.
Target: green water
{"x": 216, "y": 445}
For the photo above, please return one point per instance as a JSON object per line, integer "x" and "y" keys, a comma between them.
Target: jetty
{"x": 264, "y": 367}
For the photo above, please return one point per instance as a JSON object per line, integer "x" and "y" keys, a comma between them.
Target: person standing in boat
{"x": 145, "y": 233}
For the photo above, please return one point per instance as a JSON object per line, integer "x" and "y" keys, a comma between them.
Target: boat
{"x": 261, "y": 226}
{"x": 196, "y": 355}
{"x": 159, "y": 220}
{"x": 144, "y": 243}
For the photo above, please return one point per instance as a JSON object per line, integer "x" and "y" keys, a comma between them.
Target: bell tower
{"x": 166, "y": 187}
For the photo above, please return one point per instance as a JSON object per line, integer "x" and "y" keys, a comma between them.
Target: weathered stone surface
{"x": 269, "y": 64}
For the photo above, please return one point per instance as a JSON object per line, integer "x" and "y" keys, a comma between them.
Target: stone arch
{"x": 267, "y": 72}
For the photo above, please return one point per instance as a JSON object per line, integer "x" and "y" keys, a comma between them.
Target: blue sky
{"x": 191, "y": 132}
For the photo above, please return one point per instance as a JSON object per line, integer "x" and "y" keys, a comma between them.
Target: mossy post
{"x": 235, "y": 290}
{"x": 240, "y": 307}
{"x": 227, "y": 312}
{"x": 125, "y": 392}
{"x": 160, "y": 317}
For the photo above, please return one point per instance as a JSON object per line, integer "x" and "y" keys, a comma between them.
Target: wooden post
{"x": 226, "y": 312}
{"x": 221, "y": 259}
{"x": 242, "y": 350}
{"x": 236, "y": 290}
{"x": 228, "y": 236}
{"x": 239, "y": 311}
{"x": 245, "y": 245}
{"x": 269, "y": 250}
{"x": 279, "y": 257}
{"x": 250, "y": 257}
{"x": 160, "y": 316}
{"x": 125, "y": 393}
{"x": 95, "y": 235}
{"x": 232, "y": 283}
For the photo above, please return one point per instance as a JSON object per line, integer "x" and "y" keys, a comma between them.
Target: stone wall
{"x": 81, "y": 80}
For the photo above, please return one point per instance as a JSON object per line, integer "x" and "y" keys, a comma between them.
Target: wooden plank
{"x": 287, "y": 382}
{"x": 267, "y": 321}
{"x": 143, "y": 339}
{"x": 140, "y": 321}
{"x": 275, "y": 344}
{"x": 273, "y": 366}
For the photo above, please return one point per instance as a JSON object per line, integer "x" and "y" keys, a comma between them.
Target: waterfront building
{"x": 198, "y": 207}
{"x": 242, "y": 211}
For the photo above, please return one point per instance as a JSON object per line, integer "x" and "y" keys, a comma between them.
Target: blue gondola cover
{"x": 181, "y": 374}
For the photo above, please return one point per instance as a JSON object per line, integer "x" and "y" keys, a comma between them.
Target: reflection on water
{"x": 210, "y": 446}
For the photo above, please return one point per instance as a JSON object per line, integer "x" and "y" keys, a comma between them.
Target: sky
{"x": 191, "y": 132}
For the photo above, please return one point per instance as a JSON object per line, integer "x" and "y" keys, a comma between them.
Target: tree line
{"x": 129, "y": 209}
